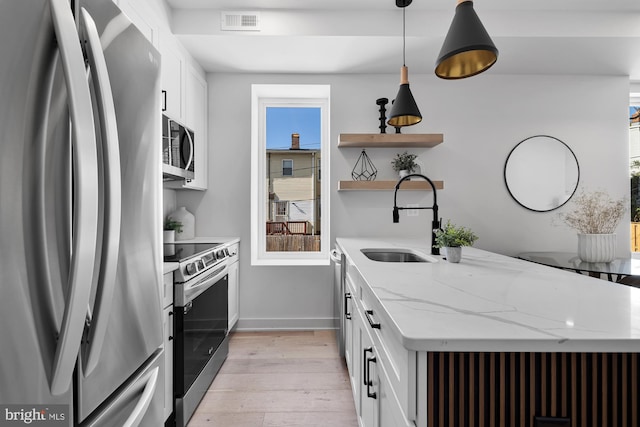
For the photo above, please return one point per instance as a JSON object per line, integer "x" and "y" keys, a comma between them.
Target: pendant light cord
{"x": 404, "y": 42}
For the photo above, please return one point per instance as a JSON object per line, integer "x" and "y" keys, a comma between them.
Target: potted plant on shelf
{"x": 171, "y": 227}
{"x": 404, "y": 164}
{"x": 452, "y": 238}
{"x": 595, "y": 217}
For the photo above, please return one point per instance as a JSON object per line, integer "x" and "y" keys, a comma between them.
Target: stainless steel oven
{"x": 201, "y": 323}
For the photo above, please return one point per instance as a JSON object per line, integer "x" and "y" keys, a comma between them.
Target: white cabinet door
{"x": 365, "y": 366}
{"x": 389, "y": 411}
{"x": 172, "y": 77}
{"x": 348, "y": 332}
{"x": 234, "y": 294}
{"x": 196, "y": 119}
{"x": 168, "y": 361}
{"x": 167, "y": 289}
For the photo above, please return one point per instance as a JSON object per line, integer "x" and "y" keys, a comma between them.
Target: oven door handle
{"x": 192, "y": 291}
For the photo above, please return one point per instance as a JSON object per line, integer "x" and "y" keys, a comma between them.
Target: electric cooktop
{"x": 179, "y": 252}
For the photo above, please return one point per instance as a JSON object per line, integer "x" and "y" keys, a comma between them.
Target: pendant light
{"x": 404, "y": 111}
{"x": 467, "y": 50}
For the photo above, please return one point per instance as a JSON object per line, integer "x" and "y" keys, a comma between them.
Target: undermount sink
{"x": 395, "y": 255}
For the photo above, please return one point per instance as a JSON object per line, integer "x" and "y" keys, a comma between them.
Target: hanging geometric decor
{"x": 364, "y": 170}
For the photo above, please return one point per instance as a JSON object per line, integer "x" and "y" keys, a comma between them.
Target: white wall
{"x": 482, "y": 119}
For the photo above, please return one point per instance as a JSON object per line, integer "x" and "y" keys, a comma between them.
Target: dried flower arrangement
{"x": 595, "y": 213}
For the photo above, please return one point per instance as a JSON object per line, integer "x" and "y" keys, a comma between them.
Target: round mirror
{"x": 541, "y": 173}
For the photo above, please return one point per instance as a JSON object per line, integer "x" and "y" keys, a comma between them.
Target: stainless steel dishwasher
{"x": 338, "y": 260}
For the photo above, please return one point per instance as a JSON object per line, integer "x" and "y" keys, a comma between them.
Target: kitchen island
{"x": 490, "y": 341}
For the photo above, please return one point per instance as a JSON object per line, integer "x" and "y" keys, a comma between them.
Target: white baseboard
{"x": 285, "y": 324}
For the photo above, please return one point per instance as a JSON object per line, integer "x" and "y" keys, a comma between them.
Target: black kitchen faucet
{"x": 435, "y": 223}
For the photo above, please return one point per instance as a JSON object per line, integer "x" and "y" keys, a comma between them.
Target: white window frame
{"x": 263, "y": 96}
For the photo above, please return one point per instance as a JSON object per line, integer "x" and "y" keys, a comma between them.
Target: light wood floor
{"x": 277, "y": 379}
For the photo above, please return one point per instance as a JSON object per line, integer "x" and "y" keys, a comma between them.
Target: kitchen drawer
{"x": 399, "y": 363}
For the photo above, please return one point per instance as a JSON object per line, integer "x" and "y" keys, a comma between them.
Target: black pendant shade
{"x": 404, "y": 111}
{"x": 467, "y": 50}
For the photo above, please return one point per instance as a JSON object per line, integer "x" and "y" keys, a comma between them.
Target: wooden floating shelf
{"x": 390, "y": 140}
{"x": 387, "y": 185}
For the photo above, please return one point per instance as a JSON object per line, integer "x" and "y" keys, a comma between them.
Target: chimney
{"x": 295, "y": 141}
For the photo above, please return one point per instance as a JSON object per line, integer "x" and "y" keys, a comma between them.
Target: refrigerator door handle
{"x": 85, "y": 207}
{"x": 150, "y": 382}
{"x": 112, "y": 193}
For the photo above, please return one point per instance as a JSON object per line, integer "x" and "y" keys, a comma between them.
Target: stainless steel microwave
{"x": 178, "y": 150}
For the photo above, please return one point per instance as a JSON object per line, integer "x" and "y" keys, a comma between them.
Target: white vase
{"x": 188, "y": 223}
{"x": 453, "y": 254}
{"x": 403, "y": 173}
{"x": 597, "y": 247}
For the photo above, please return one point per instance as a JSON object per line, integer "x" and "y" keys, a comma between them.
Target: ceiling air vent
{"x": 240, "y": 21}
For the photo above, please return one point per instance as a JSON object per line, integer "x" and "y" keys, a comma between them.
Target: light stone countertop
{"x": 491, "y": 302}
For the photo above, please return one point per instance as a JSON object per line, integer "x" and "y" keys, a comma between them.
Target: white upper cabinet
{"x": 172, "y": 80}
{"x": 182, "y": 81}
{"x": 196, "y": 120}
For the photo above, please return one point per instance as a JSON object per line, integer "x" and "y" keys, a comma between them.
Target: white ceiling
{"x": 600, "y": 37}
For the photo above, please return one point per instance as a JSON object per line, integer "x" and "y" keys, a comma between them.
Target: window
{"x": 282, "y": 208}
{"x": 289, "y": 136}
{"x": 287, "y": 167}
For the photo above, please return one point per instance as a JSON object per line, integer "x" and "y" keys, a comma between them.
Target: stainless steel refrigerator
{"x": 80, "y": 216}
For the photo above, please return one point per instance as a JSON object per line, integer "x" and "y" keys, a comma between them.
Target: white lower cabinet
{"x": 168, "y": 360}
{"x": 349, "y": 342}
{"x": 376, "y": 379}
{"x": 234, "y": 285}
{"x": 367, "y": 384}
{"x": 167, "y": 328}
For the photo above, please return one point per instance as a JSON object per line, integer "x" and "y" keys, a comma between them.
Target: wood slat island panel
{"x": 511, "y": 389}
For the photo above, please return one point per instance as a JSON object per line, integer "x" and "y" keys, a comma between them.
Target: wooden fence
{"x": 287, "y": 227}
{"x": 293, "y": 243}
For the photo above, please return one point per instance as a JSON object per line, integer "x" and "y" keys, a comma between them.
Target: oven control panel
{"x": 201, "y": 262}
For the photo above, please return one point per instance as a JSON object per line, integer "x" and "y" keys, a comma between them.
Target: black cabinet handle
{"x": 164, "y": 100}
{"x": 368, "y": 314}
{"x": 365, "y": 365}
{"x": 371, "y": 394}
{"x": 347, "y": 296}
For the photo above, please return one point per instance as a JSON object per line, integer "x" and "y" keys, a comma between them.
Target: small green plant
{"x": 452, "y": 236}
{"x": 171, "y": 224}
{"x": 404, "y": 161}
